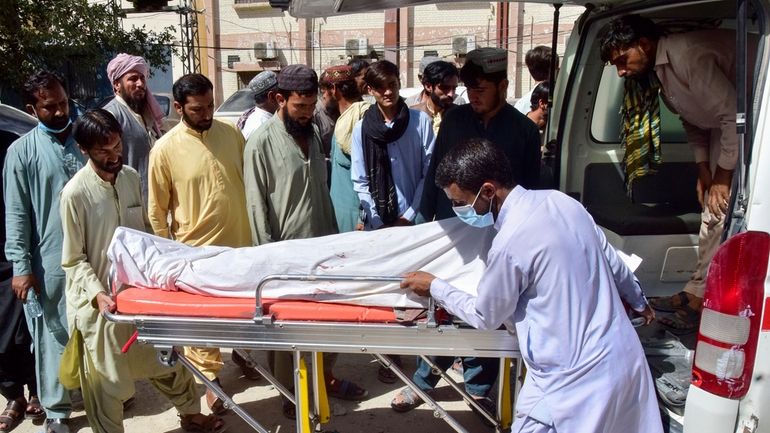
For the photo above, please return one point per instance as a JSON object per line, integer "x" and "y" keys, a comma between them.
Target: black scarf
{"x": 376, "y": 136}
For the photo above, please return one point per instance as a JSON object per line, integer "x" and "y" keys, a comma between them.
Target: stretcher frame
{"x": 264, "y": 332}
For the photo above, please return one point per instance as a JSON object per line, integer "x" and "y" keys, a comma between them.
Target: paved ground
{"x": 152, "y": 413}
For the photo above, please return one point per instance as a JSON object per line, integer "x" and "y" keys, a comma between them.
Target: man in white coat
{"x": 553, "y": 277}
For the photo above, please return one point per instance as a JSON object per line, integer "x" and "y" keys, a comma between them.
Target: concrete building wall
{"x": 232, "y": 29}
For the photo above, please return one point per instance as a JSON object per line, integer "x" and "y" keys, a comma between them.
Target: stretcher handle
{"x": 260, "y": 315}
{"x": 113, "y": 282}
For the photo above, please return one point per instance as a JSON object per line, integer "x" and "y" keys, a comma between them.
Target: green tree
{"x": 60, "y": 34}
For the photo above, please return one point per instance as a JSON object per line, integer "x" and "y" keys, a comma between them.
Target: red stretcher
{"x": 174, "y": 319}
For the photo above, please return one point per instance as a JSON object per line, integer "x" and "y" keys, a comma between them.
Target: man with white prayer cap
{"x": 137, "y": 111}
{"x": 264, "y": 86}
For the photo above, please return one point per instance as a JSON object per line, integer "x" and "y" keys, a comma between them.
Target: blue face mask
{"x": 469, "y": 216}
{"x": 45, "y": 128}
{"x": 49, "y": 130}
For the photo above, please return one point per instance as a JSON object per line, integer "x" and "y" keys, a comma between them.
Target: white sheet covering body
{"x": 449, "y": 248}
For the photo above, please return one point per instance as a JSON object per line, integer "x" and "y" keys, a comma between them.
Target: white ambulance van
{"x": 730, "y": 387}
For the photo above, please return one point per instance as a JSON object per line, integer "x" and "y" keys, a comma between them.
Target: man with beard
{"x": 100, "y": 197}
{"x": 439, "y": 80}
{"x": 391, "y": 150}
{"x": 285, "y": 177}
{"x": 486, "y": 116}
{"x": 327, "y": 111}
{"x": 196, "y": 175}
{"x": 421, "y": 96}
{"x": 694, "y": 73}
{"x": 37, "y": 167}
{"x": 137, "y": 111}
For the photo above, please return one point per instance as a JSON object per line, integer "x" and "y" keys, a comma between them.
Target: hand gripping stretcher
{"x": 168, "y": 319}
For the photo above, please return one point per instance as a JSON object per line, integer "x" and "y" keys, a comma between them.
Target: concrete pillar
{"x": 391, "y": 35}
{"x": 516, "y": 63}
{"x": 406, "y": 42}
{"x": 208, "y": 39}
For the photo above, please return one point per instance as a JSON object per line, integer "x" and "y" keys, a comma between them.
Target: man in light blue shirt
{"x": 391, "y": 153}
{"x": 37, "y": 167}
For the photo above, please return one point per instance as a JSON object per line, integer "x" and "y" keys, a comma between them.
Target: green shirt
{"x": 286, "y": 193}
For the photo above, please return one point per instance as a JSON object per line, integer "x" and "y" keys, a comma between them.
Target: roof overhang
{"x": 325, "y": 8}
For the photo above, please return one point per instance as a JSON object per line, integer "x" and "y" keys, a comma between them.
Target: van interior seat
{"x": 663, "y": 203}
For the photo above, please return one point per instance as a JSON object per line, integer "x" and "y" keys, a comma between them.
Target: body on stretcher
{"x": 167, "y": 318}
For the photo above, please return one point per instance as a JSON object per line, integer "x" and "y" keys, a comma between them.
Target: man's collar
{"x": 510, "y": 202}
{"x": 661, "y": 54}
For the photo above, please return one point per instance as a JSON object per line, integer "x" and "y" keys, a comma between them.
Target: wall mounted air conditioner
{"x": 357, "y": 47}
{"x": 462, "y": 44}
{"x": 265, "y": 50}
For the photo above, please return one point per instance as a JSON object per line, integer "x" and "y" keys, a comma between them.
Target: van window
{"x": 605, "y": 122}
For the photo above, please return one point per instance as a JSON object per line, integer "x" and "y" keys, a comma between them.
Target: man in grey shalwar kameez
{"x": 137, "y": 111}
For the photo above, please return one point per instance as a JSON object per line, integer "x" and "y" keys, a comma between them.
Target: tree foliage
{"x": 57, "y": 34}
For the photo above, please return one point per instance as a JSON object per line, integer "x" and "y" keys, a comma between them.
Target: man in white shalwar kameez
{"x": 553, "y": 277}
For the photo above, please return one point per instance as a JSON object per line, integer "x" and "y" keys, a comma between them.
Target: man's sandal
{"x": 666, "y": 304}
{"x": 684, "y": 321}
{"x": 247, "y": 366}
{"x": 199, "y": 423}
{"x": 346, "y": 390}
{"x": 12, "y": 415}
{"x": 34, "y": 411}
{"x": 406, "y": 400}
{"x": 215, "y": 404}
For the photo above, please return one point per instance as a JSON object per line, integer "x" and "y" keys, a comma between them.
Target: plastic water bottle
{"x": 34, "y": 309}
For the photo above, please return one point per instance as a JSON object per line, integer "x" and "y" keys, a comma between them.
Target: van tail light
{"x": 731, "y": 318}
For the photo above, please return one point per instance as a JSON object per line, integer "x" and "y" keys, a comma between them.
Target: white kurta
{"x": 553, "y": 277}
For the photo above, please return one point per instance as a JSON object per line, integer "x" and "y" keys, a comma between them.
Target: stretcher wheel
{"x": 167, "y": 357}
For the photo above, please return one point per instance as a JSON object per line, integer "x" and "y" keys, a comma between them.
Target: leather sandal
{"x": 199, "y": 423}
{"x": 666, "y": 304}
{"x": 684, "y": 321}
{"x": 215, "y": 404}
{"x": 246, "y": 365}
{"x": 34, "y": 411}
{"x": 12, "y": 415}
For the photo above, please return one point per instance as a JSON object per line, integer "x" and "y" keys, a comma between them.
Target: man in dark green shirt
{"x": 486, "y": 116}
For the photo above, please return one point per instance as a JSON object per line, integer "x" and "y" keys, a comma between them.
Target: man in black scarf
{"x": 391, "y": 152}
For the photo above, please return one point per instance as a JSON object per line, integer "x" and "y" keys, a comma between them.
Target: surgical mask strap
{"x": 48, "y": 129}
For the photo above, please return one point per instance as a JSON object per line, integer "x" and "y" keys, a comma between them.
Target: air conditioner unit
{"x": 232, "y": 60}
{"x": 357, "y": 47}
{"x": 264, "y": 50}
{"x": 462, "y": 44}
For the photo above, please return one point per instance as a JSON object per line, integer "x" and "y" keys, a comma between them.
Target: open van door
{"x": 659, "y": 219}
